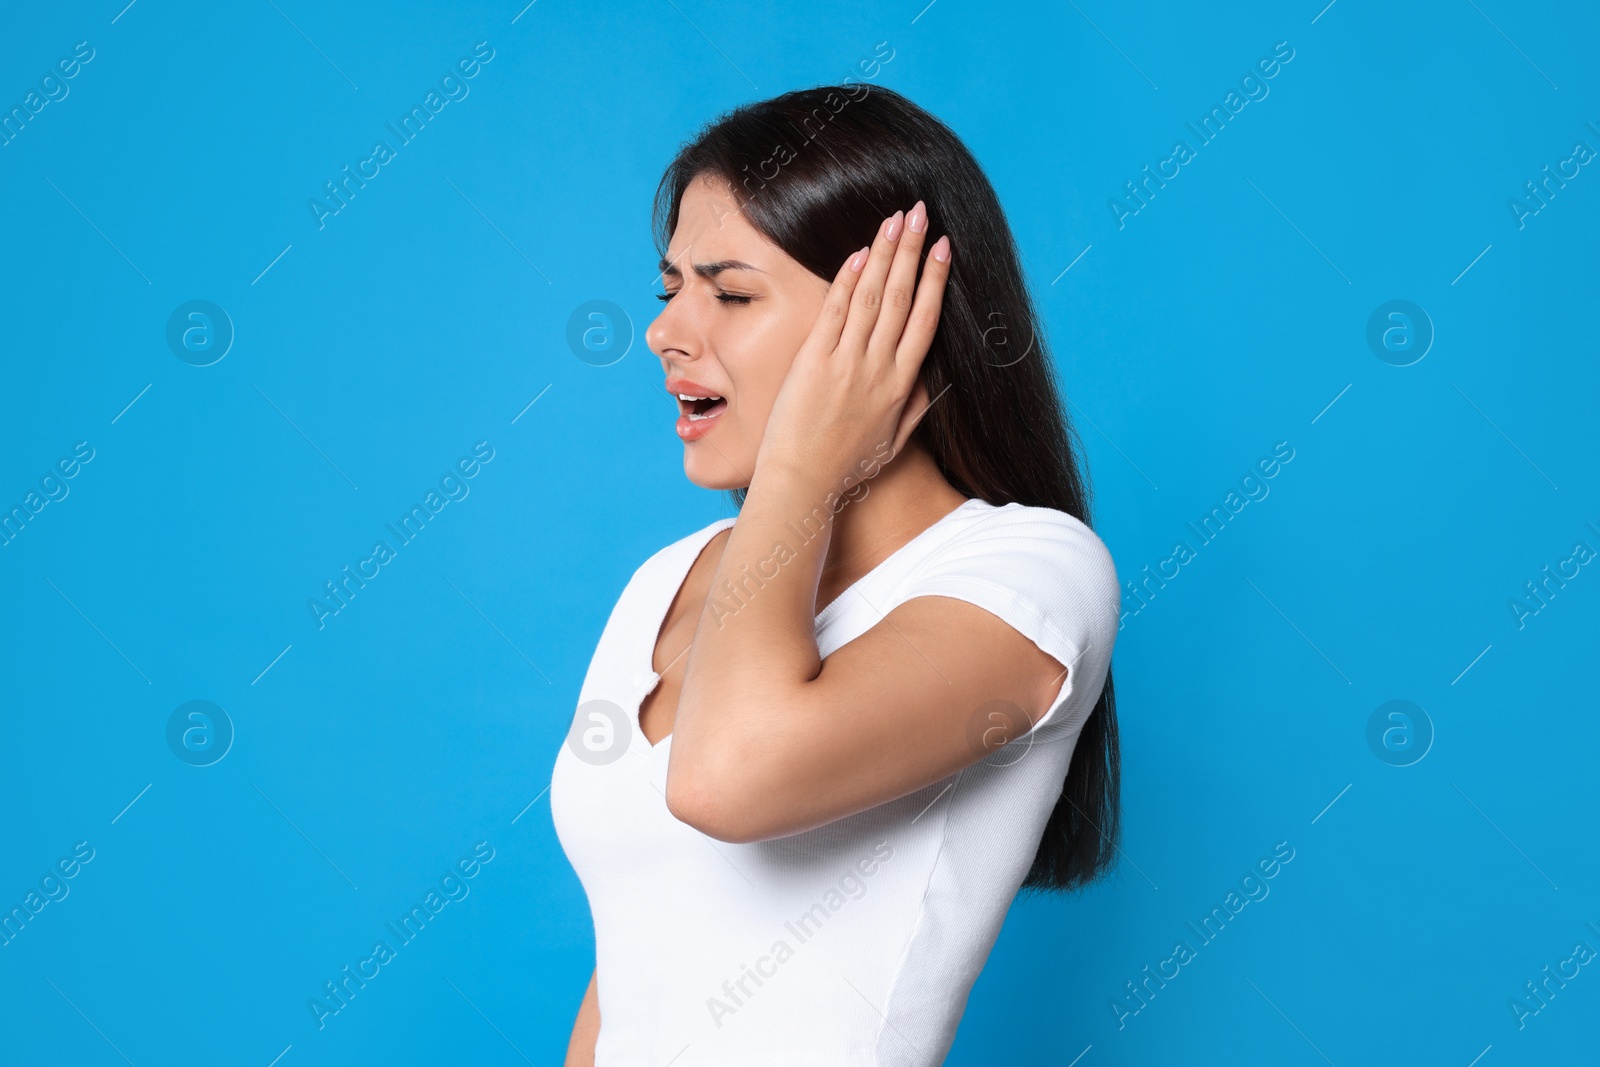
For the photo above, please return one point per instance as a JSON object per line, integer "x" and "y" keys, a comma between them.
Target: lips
{"x": 699, "y": 407}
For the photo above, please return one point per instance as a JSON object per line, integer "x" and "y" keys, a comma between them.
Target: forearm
{"x": 755, "y": 649}
{"x": 585, "y": 1029}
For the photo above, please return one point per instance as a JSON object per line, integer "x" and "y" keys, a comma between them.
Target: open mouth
{"x": 695, "y": 408}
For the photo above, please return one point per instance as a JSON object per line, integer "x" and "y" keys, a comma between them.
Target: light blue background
{"x": 1223, "y": 318}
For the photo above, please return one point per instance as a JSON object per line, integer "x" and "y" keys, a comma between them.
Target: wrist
{"x": 813, "y": 475}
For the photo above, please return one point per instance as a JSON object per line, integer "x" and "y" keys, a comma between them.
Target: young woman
{"x": 821, "y": 745}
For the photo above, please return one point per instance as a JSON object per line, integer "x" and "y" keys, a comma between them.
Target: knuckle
{"x": 897, "y": 298}
{"x": 871, "y": 299}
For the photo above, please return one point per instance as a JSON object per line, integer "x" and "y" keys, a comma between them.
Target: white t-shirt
{"x": 857, "y": 942}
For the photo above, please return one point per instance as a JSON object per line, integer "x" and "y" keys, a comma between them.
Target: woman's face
{"x": 737, "y": 311}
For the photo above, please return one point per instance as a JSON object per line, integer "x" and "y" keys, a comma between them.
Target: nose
{"x": 668, "y": 336}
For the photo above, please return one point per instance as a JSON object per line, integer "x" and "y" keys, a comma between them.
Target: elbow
{"x": 715, "y": 804}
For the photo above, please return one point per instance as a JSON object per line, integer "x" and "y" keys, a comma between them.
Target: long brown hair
{"x": 814, "y": 170}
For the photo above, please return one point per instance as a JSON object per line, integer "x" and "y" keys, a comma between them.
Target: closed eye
{"x": 726, "y": 298}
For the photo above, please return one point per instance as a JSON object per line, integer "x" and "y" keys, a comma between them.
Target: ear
{"x": 917, "y": 405}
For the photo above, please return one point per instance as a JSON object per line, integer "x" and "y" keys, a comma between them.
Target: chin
{"x": 709, "y": 469}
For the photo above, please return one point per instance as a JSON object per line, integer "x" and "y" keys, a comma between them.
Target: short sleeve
{"x": 1049, "y": 577}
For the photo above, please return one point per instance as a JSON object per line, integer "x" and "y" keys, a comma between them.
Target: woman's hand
{"x": 852, "y": 396}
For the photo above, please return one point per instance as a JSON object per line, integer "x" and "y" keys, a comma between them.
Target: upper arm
{"x": 987, "y": 638}
{"x": 936, "y": 685}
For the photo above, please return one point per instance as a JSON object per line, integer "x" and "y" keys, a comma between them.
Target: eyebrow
{"x": 708, "y": 270}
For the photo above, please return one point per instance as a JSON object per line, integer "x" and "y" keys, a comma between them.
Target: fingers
{"x": 900, "y": 286}
{"x": 868, "y": 296}
{"x": 923, "y": 321}
{"x": 836, "y": 305}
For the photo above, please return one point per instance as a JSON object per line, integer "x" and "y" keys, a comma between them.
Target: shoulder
{"x": 1028, "y": 544}
{"x": 675, "y": 558}
{"x": 1034, "y": 565}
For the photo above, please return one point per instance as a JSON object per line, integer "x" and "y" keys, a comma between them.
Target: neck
{"x": 906, "y": 497}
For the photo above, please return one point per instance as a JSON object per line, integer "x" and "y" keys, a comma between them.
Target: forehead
{"x": 712, "y": 225}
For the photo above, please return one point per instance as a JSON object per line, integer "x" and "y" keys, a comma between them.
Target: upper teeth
{"x": 686, "y": 396}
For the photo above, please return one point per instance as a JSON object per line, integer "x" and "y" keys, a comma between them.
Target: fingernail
{"x": 917, "y": 221}
{"x": 893, "y": 231}
{"x": 859, "y": 260}
{"x": 941, "y": 249}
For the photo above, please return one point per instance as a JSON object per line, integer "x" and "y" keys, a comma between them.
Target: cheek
{"x": 761, "y": 356}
